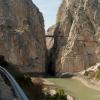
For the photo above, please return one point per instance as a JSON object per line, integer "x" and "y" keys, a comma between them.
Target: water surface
{"x": 76, "y": 89}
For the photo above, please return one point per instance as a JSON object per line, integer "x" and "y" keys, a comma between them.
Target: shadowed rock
{"x": 22, "y": 35}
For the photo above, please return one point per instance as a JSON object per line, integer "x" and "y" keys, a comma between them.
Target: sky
{"x": 49, "y": 9}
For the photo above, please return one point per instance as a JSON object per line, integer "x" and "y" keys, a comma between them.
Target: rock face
{"x": 77, "y": 36}
{"x": 22, "y": 35}
{"x": 50, "y": 37}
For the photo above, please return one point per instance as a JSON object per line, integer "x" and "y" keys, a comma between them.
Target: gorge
{"x": 76, "y": 36}
{"x": 71, "y": 45}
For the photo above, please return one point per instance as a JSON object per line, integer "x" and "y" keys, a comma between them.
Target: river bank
{"x": 89, "y": 83}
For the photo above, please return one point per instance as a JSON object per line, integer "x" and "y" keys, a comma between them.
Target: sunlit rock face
{"x": 22, "y": 35}
{"x": 77, "y": 35}
{"x": 50, "y": 37}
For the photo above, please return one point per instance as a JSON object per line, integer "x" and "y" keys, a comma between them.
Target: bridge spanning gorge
{"x": 53, "y": 36}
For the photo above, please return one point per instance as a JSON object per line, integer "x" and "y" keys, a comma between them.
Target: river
{"x": 76, "y": 89}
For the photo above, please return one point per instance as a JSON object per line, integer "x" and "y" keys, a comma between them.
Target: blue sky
{"x": 49, "y": 9}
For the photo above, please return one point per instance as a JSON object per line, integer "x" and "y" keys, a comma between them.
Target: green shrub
{"x": 60, "y": 95}
{"x": 98, "y": 74}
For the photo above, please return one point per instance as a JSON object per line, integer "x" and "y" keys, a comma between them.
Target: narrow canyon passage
{"x": 41, "y": 39}
{"x": 74, "y": 45}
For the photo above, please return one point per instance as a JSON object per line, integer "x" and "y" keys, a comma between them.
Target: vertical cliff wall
{"x": 77, "y": 36}
{"x": 22, "y": 35}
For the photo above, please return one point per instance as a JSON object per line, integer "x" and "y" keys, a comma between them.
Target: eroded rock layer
{"x": 77, "y": 36}
{"x": 22, "y": 40}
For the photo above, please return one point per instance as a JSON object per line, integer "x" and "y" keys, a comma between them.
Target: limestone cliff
{"x": 50, "y": 37}
{"x": 77, "y": 36}
{"x": 22, "y": 35}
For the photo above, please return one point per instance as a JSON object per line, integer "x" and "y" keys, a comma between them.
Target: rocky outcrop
{"x": 22, "y": 35}
{"x": 77, "y": 36}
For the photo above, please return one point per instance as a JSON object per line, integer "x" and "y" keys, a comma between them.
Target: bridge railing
{"x": 19, "y": 92}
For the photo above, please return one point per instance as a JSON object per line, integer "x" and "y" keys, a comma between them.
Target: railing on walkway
{"x": 19, "y": 92}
